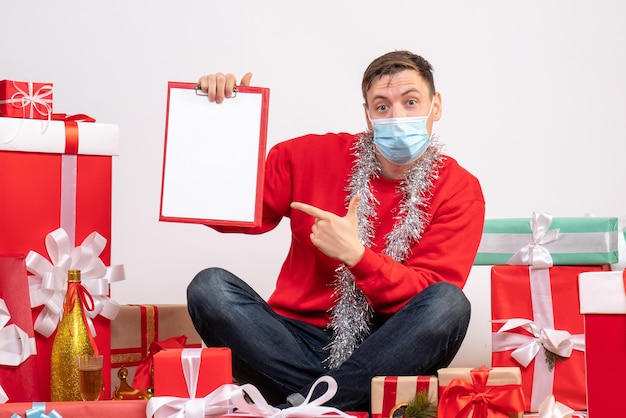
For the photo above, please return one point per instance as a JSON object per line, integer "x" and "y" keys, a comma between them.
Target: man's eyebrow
{"x": 407, "y": 92}
{"x": 411, "y": 91}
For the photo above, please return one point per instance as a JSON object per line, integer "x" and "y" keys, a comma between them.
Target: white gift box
{"x": 50, "y": 136}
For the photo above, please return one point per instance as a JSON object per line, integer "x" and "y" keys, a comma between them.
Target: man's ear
{"x": 367, "y": 118}
{"x": 437, "y": 109}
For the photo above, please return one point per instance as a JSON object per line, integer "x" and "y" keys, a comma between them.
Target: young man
{"x": 371, "y": 290}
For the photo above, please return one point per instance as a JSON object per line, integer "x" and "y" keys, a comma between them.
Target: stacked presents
{"x": 548, "y": 359}
{"x": 536, "y": 316}
{"x": 55, "y": 216}
{"x": 55, "y": 189}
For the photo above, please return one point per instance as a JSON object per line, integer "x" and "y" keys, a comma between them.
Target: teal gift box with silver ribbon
{"x": 541, "y": 241}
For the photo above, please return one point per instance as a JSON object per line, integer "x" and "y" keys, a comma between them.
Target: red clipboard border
{"x": 258, "y": 207}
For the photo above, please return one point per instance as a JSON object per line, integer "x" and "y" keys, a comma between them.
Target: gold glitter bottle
{"x": 72, "y": 339}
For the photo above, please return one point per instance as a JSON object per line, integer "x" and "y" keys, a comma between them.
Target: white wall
{"x": 533, "y": 92}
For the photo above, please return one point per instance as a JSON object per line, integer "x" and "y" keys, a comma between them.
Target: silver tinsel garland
{"x": 351, "y": 314}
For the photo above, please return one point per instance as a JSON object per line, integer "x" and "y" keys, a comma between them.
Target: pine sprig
{"x": 420, "y": 406}
{"x": 552, "y": 358}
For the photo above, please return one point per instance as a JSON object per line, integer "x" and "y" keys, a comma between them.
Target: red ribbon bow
{"x": 461, "y": 397}
{"x": 77, "y": 291}
{"x": 143, "y": 374}
{"x": 71, "y": 129}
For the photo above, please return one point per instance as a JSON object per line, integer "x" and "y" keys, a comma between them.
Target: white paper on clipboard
{"x": 214, "y": 157}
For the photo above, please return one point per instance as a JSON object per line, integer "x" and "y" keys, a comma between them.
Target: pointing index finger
{"x": 309, "y": 210}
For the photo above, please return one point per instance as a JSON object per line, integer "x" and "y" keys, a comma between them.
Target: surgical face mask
{"x": 401, "y": 140}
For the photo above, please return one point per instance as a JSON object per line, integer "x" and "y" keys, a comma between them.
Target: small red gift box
{"x": 538, "y": 327}
{"x": 22, "y": 99}
{"x": 20, "y": 381}
{"x": 603, "y": 303}
{"x": 392, "y": 393}
{"x": 212, "y": 367}
{"x": 480, "y": 393}
{"x": 44, "y": 188}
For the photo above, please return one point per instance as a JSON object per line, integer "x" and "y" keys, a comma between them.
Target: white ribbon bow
{"x": 309, "y": 408}
{"x": 214, "y": 404}
{"x": 526, "y": 347}
{"x": 48, "y": 284}
{"x": 15, "y": 344}
{"x": 550, "y": 408}
{"x": 534, "y": 254}
{"x": 228, "y": 398}
{"x": 3, "y": 395}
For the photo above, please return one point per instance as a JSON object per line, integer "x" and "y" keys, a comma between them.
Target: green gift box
{"x": 541, "y": 241}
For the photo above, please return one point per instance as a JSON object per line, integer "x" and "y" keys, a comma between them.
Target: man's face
{"x": 400, "y": 95}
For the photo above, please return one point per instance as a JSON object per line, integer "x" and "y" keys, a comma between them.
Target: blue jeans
{"x": 282, "y": 356}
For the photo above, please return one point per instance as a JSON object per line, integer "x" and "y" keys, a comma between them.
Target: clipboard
{"x": 214, "y": 157}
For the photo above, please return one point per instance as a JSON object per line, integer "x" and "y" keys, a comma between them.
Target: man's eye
{"x": 412, "y": 102}
{"x": 382, "y": 108}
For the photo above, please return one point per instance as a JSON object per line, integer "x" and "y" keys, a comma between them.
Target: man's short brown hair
{"x": 394, "y": 62}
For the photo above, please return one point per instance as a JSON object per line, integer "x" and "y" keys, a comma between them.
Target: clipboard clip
{"x": 199, "y": 92}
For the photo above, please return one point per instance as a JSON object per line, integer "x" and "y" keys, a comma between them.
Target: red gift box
{"x": 603, "y": 303}
{"x": 214, "y": 369}
{"x": 392, "y": 393}
{"x": 480, "y": 393}
{"x": 19, "y": 381}
{"x": 22, "y": 99}
{"x": 41, "y": 191}
{"x": 539, "y": 307}
{"x": 96, "y": 409}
